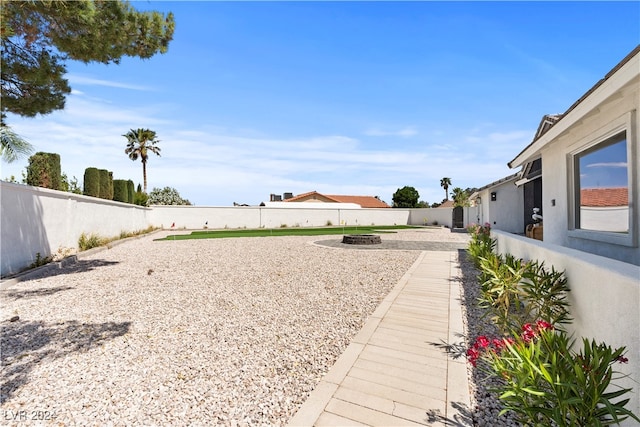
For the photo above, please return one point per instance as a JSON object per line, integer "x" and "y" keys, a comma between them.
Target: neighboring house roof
{"x": 447, "y": 204}
{"x": 604, "y": 197}
{"x": 363, "y": 201}
{"x": 553, "y": 121}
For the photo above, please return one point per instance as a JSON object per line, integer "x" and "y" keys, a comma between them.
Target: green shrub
{"x": 120, "y": 190}
{"x": 86, "y": 242}
{"x": 110, "y": 188}
{"x": 131, "y": 192}
{"x": 91, "y": 182}
{"x": 546, "y": 382}
{"x": 44, "y": 171}
{"x": 105, "y": 184}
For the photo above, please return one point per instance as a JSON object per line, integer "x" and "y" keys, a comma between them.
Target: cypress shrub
{"x": 44, "y": 171}
{"x": 131, "y": 191}
{"x": 110, "y": 194}
{"x": 104, "y": 183}
{"x": 56, "y": 171}
{"x": 120, "y": 190}
{"x": 91, "y": 182}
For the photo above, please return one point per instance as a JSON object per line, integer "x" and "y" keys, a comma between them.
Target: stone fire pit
{"x": 362, "y": 239}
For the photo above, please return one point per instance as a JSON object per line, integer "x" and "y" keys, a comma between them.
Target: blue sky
{"x": 353, "y": 98}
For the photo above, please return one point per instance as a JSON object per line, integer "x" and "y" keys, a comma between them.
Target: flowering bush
{"x": 546, "y": 383}
{"x": 481, "y": 243}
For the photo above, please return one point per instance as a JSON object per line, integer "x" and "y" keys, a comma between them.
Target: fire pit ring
{"x": 361, "y": 239}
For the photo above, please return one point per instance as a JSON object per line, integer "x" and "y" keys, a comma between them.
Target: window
{"x": 603, "y": 186}
{"x": 603, "y": 170}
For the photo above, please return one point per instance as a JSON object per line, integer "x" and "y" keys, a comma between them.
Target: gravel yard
{"x": 196, "y": 332}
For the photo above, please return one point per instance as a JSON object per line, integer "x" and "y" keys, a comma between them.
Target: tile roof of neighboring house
{"x": 363, "y": 201}
{"x": 447, "y": 204}
{"x": 604, "y": 197}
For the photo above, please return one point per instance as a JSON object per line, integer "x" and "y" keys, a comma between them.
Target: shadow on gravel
{"x": 54, "y": 269}
{"x": 26, "y": 345}
{"x": 463, "y": 419}
{"x": 17, "y": 294}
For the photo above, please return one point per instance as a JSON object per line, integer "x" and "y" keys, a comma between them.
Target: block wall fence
{"x": 38, "y": 220}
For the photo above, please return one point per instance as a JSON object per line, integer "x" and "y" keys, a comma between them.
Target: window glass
{"x": 603, "y": 195}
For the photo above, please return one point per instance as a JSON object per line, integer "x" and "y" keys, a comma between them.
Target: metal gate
{"x": 458, "y": 217}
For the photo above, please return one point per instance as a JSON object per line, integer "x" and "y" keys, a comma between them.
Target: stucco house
{"x": 499, "y": 204}
{"x": 587, "y": 160}
{"x": 315, "y": 197}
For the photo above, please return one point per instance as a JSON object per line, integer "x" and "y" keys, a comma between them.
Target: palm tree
{"x": 139, "y": 143}
{"x": 445, "y": 183}
{"x": 12, "y": 145}
{"x": 460, "y": 197}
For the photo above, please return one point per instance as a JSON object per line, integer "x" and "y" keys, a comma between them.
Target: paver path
{"x": 392, "y": 374}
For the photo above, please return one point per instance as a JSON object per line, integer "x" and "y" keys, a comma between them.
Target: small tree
{"x": 140, "y": 198}
{"x": 405, "y": 197}
{"x": 44, "y": 171}
{"x": 166, "y": 196}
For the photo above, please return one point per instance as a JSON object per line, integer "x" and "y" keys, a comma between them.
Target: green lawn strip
{"x": 266, "y": 232}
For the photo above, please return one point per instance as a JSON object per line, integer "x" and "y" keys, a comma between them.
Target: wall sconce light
{"x": 494, "y": 196}
{"x": 478, "y": 201}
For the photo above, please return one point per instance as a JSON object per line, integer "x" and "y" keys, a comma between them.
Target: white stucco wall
{"x": 624, "y": 107}
{"x": 604, "y": 297}
{"x": 38, "y": 220}
{"x": 506, "y": 212}
{"x": 194, "y": 217}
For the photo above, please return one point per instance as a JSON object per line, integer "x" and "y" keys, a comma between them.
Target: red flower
{"x": 482, "y": 341}
{"x": 621, "y": 359}
{"x": 473, "y": 355}
{"x": 542, "y": 325}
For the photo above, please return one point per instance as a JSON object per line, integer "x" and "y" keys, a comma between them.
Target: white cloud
{"x": 76, "y": 79}
{"x": 215, "y": 165}
{"x": 608, "y": 165}
{"x": 404, "y": 132}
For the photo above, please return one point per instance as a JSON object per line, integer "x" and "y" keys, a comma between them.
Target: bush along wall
{"x": 543, "y": 376}
{"x": 91, "y": 182}
{"x": 44, "y": 171}
{"x": 120, "y": 191}
{"x": 105, "y": 184}
{"x": 131, "y": 192}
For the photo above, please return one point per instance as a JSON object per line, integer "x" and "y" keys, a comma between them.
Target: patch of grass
{"x": 262, "y": 232}
{"x": 90, "y": 241}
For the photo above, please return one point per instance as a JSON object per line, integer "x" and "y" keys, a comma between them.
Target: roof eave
{"x": 617, "y": 78}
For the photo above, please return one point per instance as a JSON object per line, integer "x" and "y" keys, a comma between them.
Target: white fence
{"x": 37, "y": 220}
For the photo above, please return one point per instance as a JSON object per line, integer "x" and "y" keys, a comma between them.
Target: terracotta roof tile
{"x": 604, "y": 197}
{"x": 363, "y": 201}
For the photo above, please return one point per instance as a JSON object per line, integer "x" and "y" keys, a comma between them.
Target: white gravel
{"x": 197, "y": 332}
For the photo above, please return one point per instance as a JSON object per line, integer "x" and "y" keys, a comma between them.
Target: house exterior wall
{"x": 506, "y": 212}
{"x": 38, "y": 220}
{"x": 604, "y": 298}
{"x": 557, "y": 179}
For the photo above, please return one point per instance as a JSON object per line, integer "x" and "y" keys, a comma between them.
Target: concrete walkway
{"x": 392, "y": 374}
